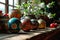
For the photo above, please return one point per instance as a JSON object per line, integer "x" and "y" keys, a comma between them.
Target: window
{"x": 15, "y": 2}
{"x": 2, "y": 1}
{"x": 10, "y": 9}
{"x": 7, "y": 5}
{"x": 12, "y": 4}
{"x": 2, "y": 5}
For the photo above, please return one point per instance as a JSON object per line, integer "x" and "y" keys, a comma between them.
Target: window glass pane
{"x": 15, "y": 2}
{"x": 11, "y": 2}
{"x": 2, "y": 1}
{"x": 2, "y": 7}
{"x": 10, "y": 9}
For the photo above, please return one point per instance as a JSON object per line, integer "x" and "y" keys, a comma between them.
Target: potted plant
{"x": 37, "y": 9}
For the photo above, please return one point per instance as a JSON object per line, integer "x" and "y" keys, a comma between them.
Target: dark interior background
{"x": 56, "y": 8}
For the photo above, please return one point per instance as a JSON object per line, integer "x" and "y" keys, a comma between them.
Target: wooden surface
{"x": 52, "y": 35}
{"x": 25, "y": 35}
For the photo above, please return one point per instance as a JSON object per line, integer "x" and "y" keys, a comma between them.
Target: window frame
{"x": 7, "y": 5}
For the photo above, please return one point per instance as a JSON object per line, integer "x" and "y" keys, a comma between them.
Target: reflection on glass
{"x": 2, "y": 7}
{"x": 2, "y": 1}
{"x": 11, "y": 2}
{"x": 10, "y": 9}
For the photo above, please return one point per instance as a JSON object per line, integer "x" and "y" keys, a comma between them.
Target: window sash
{"x": 7, "y": 5}
{"x": 3, "y": 1}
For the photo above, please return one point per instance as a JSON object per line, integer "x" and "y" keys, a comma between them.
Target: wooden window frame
{"x": 7, "y": 5}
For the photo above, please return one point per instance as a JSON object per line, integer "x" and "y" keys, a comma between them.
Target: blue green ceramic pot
{"x": 14, "y": 25}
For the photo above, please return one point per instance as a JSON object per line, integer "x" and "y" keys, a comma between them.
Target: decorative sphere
{"x": 53, "y": 25}
{"x": 14, "y": 25}
{"x": 26, "y": 24}
{"x": 42, "y": 24}
{"x": 34, "y": 24}
{"x": 15, "y": 13}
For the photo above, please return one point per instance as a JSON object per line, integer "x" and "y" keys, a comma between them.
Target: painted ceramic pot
{"x": 34, "y": 24}
{"x": 14, "y": 25}
{"x": 42, "y": 24}
{"x": 26, "y": 24}
{"x": 15, "y": 13}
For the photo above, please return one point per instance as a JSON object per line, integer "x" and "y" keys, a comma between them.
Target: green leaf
{"x": 53, "y": 15}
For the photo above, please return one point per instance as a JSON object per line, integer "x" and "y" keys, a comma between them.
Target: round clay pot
{"x": 26, "y": 24}
{"x": 34, "y": 24}
{"x": 15, "y": 13}
{"x": 42, "y": 24}
{"x": 14, "y": 25}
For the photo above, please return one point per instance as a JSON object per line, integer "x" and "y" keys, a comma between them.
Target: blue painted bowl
{"x": 14, "y": 25}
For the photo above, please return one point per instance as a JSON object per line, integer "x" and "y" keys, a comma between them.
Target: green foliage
{"x": 36, "y": 1}
{"x": 52, "y": 3}
{"x": 53, "y": 15}
{"x": 36, "y": 9}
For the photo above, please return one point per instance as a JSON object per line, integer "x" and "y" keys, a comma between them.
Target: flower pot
{"x": 34, "y": 24}
{"x": 42, "y": 24}
{"x": 15, "y": 13}
{"x": 14, "y": 25}
{"x": 26, "y": 24}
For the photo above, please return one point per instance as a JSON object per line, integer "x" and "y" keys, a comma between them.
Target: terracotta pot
{"x": 42, "y": 24}
{"x": 45, "y": 18}
{"x": 15, "y": 13}
{"x": 34, "y": 24}
{"x": 26, "y": 24}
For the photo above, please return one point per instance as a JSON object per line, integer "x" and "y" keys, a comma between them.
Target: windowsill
{"x": 24, "y": 35}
